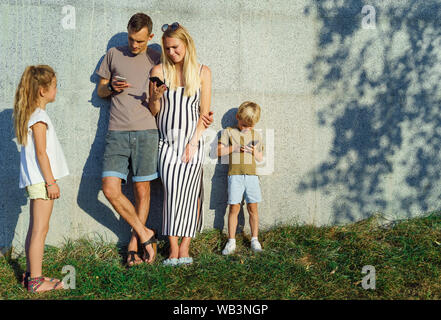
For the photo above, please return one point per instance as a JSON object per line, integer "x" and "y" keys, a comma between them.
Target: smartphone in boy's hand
{"x": 253, "y": 143}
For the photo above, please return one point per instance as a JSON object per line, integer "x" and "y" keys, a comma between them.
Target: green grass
{"x": 298, "y": 262}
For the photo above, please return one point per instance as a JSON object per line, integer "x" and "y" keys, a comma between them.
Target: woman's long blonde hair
{"x": 27, "y": 97}
{"x": 190, "y": 68}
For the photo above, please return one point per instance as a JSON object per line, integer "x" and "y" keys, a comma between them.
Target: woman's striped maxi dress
{"x": 182, "y": 182}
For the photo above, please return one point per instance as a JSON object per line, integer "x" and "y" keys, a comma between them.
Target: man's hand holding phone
{"x": 119, "y": 83}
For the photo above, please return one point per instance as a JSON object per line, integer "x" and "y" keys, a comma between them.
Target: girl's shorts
{"x": 37, "y": 191}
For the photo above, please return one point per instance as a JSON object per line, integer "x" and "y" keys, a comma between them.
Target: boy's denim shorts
{"x": 240, "y": 185}
{"x": 131, "y": 150}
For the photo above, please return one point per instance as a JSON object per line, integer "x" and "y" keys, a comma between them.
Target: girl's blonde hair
{"x": 27, "y": 97}
{"x": 190, "y": 68}
{"x": 249, "y": 113}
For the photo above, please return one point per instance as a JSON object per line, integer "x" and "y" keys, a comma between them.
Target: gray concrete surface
{"x": 350, "y": 114}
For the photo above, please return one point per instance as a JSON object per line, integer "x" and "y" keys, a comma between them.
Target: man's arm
{"x": 104, "y": 90}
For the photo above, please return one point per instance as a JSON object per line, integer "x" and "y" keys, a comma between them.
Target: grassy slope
{"x": 299, "y": 262}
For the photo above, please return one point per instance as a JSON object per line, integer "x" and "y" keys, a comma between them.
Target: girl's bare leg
{"x": 41, "y": 213}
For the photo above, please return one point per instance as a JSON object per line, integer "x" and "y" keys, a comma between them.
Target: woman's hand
{"x": 157, "y": 92}
{"x": 189, "y": 152}
{"x": 53, "y": 191}
{"x": 207, "y": 119}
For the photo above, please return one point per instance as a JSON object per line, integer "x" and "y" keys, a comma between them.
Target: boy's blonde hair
{"x": 27, "y": 97}
{"x": 249, "y": 113}
{"x": 190, "y": 67}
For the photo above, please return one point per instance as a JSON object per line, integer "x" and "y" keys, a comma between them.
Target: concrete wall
{"x": 350, "y": 114}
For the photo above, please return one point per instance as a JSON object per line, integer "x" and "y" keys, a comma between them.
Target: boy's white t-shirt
{"x": 30, "y": 172}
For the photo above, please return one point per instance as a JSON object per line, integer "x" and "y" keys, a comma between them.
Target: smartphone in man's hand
{"x": 120, "y": 79}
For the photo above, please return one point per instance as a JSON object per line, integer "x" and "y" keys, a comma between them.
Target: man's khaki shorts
{"x": 131, "y": 150}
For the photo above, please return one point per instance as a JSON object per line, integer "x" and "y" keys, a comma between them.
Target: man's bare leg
{"x": 142, "y": 207}
{"x": 122, "y": 205}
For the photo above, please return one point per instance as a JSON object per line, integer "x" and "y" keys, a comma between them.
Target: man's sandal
{"x": 153, "y": 241}
{"x": 35, "y": 283}
{"x": 131, "y": 261}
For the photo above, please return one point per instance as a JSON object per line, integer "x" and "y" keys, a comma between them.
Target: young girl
{"x": 42, "y": 162}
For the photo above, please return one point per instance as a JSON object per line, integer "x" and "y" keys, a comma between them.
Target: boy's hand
{"x": 236, "y": 148}
{"x": 53, "y": 191}
{"x": 248, "y": 149}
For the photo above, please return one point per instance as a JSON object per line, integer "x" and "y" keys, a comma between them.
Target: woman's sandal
{"x": 27, "y": 275}
{"x": 131, "y": 261}
{"x": 153, "y": 241}
{"x": 185, "y": 261}
{"x": 35, "y": 283}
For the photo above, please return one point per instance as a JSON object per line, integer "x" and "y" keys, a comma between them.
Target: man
{"x": 132, "y": 139}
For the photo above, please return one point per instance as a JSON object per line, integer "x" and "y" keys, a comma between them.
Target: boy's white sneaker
{"x": 255, "y": 246}
{"x": 230, "y": 247}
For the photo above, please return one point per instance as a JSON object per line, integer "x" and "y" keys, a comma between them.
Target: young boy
{"x": 244, "y": 146}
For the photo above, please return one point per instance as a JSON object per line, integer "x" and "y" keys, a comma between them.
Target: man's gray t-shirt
{"x": 129, "y": 109}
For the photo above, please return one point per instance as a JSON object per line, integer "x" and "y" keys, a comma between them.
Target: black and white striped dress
{"x": 182, "y": 182}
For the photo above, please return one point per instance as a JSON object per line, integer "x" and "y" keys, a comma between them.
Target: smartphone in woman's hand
{"x": 157, "y": 81}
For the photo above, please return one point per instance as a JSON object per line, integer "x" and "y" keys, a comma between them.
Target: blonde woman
{"x": 180, "y": 106}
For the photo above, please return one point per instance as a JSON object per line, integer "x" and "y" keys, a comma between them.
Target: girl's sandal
{"x": 35, "y": 283}
{"x": 27, "y": 275}
{"x": 153, "y": 241}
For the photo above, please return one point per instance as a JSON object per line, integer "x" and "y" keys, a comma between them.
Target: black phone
{"x": 253, "y": 143}
{"x": 157, "y": 81}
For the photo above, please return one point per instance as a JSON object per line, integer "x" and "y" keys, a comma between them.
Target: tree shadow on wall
{"x": 90, "y": 185}
{"x": 384, "y": 108}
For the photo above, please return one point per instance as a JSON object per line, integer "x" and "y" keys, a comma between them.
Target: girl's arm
{"x": 39, "y": 130}
{"x": 192, "y": 146}
{"x": 156, "y": 93}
